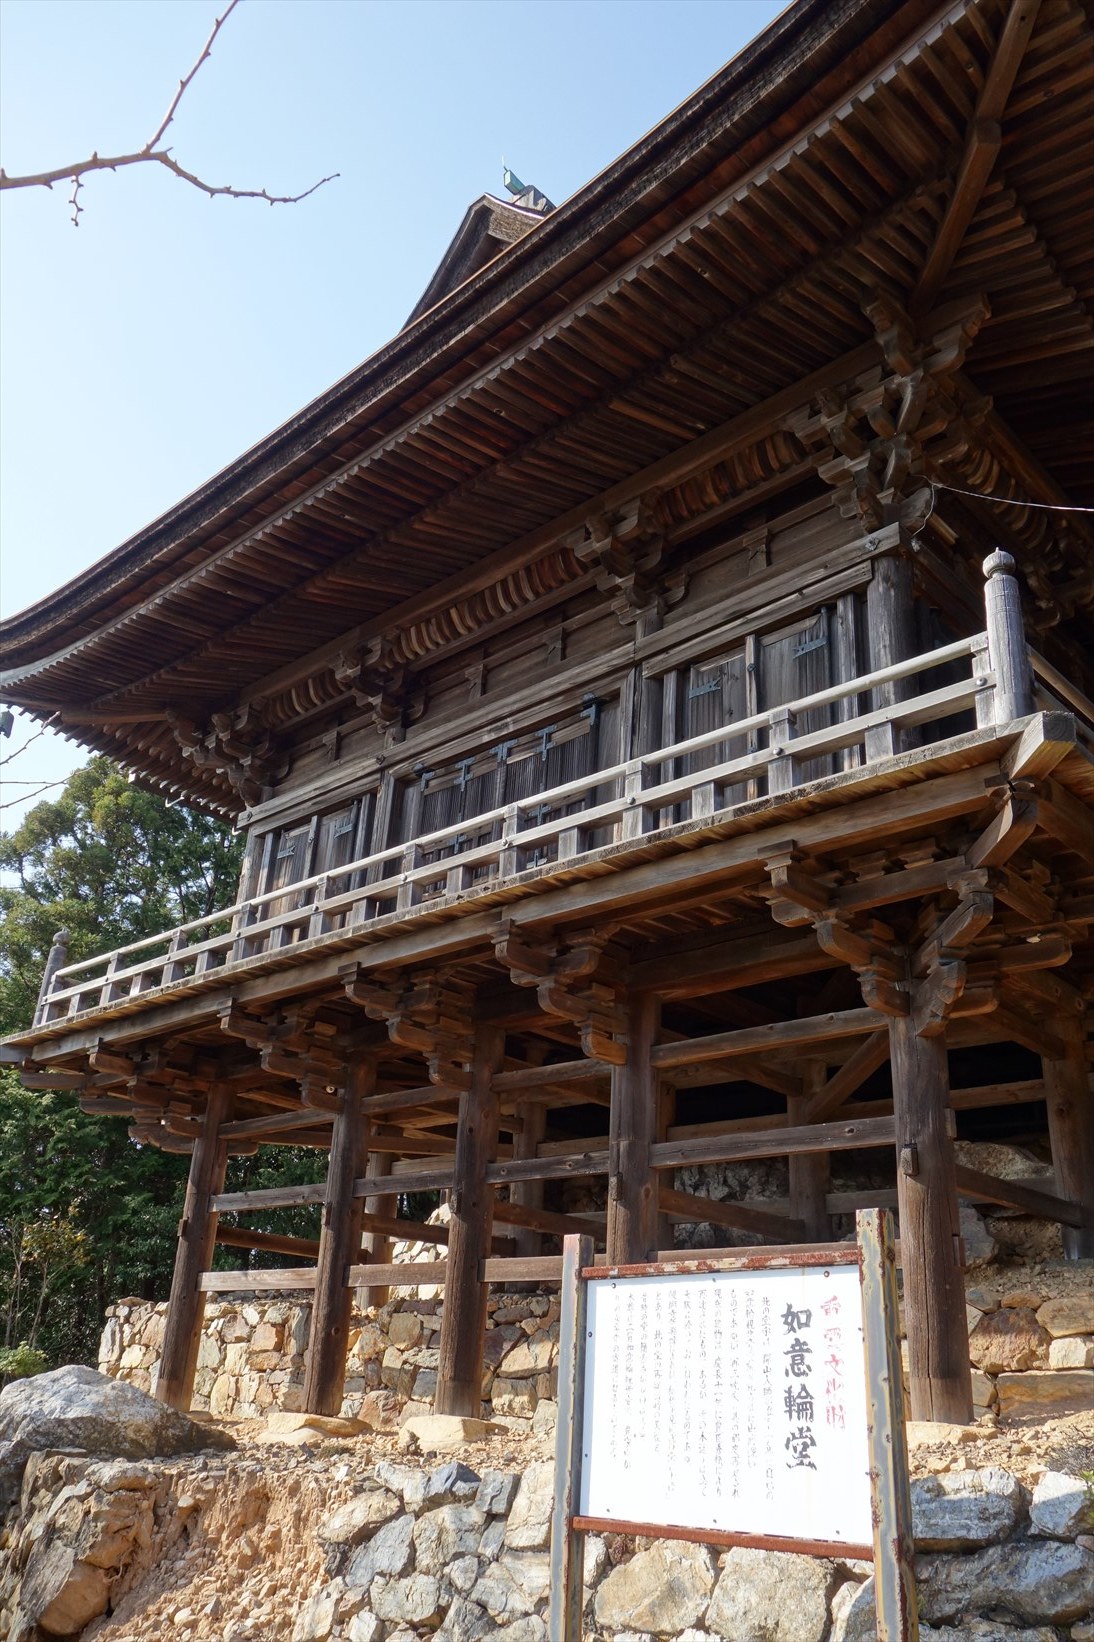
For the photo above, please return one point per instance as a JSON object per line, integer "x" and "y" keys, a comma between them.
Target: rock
{"x": 416, "y": 1599}
{"x": 358, "y": 1519}
{"x": 325, "y": 1425}
{"x": 451, "y": 1484}
{"x": 980, "y": 1246}
{"x": 59, "y": 1590}
{"x": 514, "y": 1399}
{"x": 466, "y": 1622}
{"x": 983, "y": 1390}
{"x": 76, "y": 1407}
{"x": 405, "y": 1329}
{"x": 1073, "y": 1315}
{"x": 1062, "y": 1506}
{"x": 529, "y": 1525}
{"x": 364, "y": 1627}
{"x": 1008, "y": 1340}
{"x": 454, "y": 1530}
{"x": 462, "y": 1572}
{"x": 981, "y": 1299}
{"x": 929, "y": 1433}
{"x": 443, "y": 1433}
{"x": 497, "y": 1491}
{"x": 316, "y": 1619}
{"x": 389, "y": 1551}
{"x": 771, "y": 1596}
{"x": 962, "y": 1510}
{"x": 404, "y": 1480}
{"x": 853, "y": 1620}
{"x": 528, "y": 1358}
{"x": 1071, "y": 1351}
{"x": 380, "y": 1410}
{"x": 661, "y": 1590}
{"x": 1045, "y": 1393}
{"x": 529, "y": 1629}
{"x": 1038, "y": 1582}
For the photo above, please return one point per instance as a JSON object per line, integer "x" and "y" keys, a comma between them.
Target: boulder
{"x": 529, "y": 1525}
{"x": 76, "y": 1407}
{"x": 359, "y": 1518}
{"x": 417, "y": 1599}
{"x": 853, "y": 1620}
{"x": 1071, "y": 1351}
{"x": 390, "y": 1551}
{"x": 443, "y": 1433}
{"x": 1035, "y": 1582}
{"x": 323, "y": 1425}
{"x": 1073, "y": 1315}
{"x": 451, "y": 1484}
{"x": 980, "y": 1246}
{"x": 1062, "y": 1506}
{"x": 963, "y": 1510}
{"x": 466, "y": 1622}
{"x": 661, "y": 1590}
{"x": 451, "y": 1531}
{"x": 771, "y": 1596}
{"x": 1045, "y": 1393}
{"x": 497, "y": 1491}
{"x": 1008, "y": 1340}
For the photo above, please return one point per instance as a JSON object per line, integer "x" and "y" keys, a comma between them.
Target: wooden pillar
{"x": 193, "y": 1256}
{"x": 890, "y": 613}
{"x": 665, "y": 1236}
{"x": 1070, "y": 1104}
{"x": 532, "y": 1116}
{"x": 378, "y": 1244}
{"x": 930, "y": 1235}
{"x": 463, "y": 1323}
{"x": 1007, "y": 649}
{"x": 810, "y": 1172}
{"x": 339, "y": 1245}
{"x": 632, "y": 1186}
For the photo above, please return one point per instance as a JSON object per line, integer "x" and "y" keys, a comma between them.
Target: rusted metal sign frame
{"x": 891, "y": 1511}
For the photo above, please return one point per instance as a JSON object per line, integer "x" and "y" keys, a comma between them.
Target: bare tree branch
{"x": 152, "y": 154}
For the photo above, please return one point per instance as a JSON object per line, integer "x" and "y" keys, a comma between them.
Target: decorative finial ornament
{"x": 998, "y": 564}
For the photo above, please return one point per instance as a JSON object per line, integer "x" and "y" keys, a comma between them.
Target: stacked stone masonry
{"x": 426, "y": 1547}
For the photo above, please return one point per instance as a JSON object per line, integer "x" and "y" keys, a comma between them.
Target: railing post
{"x": 58, "y": 957}
{"x": 780, "y": 771}
{"x": 1007, "y": 648}
{"x": 634, "y": 815}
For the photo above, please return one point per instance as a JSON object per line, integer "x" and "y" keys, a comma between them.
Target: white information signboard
{"x": 728, "y": 1400}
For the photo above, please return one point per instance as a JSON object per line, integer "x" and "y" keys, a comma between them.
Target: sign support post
{"x": 567, "y": 1543}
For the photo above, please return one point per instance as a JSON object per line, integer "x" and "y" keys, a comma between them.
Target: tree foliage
{"x": 86, "y": 1216}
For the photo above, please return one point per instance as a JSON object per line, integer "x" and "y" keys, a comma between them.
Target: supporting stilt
{"x": 463, "y": 1324}
{"x": 194, "y": 1255}
{"x": 810, "y": 1172}
{"x": 632, "y": 1185}
{"x": 930, "y": 1236}
{"x": 1070, "y": 1107}
{"x": 378, "y": 1244}
{"x": 532, "y": 1117}
{"x": 339, "y": 1244}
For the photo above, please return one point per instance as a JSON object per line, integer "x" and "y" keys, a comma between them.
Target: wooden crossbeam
{"x": 237, "y": 1237}
{"x": 694, "y": 1210}
{"x": 1068, "y": 821}
{"x": 870, "y": 1054}
{"x": 814, "y": 1029}
{"x": 1015, "y": 1194}
{"x": 545, "y": 1220}
{"x": 562, "y": 1073}
{"x": 817, "y": 1137}
{"x": 272, "y": 1123}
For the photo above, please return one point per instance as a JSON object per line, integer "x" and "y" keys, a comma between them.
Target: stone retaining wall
{"x": 1031, "y": 1353}
{"x": 424, "y": 1547}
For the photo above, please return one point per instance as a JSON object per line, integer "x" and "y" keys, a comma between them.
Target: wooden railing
{"x": 629, "y": 801}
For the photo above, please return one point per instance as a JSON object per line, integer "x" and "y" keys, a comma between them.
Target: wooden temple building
{"x": 656, "y": 692}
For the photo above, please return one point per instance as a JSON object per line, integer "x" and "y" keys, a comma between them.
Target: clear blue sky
{"x": 146, "y": 349}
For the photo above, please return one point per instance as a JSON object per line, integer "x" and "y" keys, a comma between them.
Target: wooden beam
{"x": 339, "y": 1244}
{"x": 1015, "y": 1194}
{"x": 815, "y": 1137}
{"x": 632, "y": 1186}
{"x": 526, "y": 1078}
{"x": 463, "y": 1324}
{"x": 815, "y": 1029}
{"x": 981, "y": 150}
{"x": 810, "y": 1172}
{"x": 734, "y": 960}
{"x": 238, "y": 1237}
{"x": 1068, "y": 821}
{"x": 546, "y": 1220}
{"x": 930, "y": 1229}
{"x": 272, "y": 1123}
{"x": 828, "y": 1098}
{"x": 268, "y": 1197}
{"x": 526, "y": 1196}
{"x": 694, "y": 1210}
{"x": 193, "y": 1256}
{"x": 279, "y": 1279}
{"x": 1070, "y": 1107}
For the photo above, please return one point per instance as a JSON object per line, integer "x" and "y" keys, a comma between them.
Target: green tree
{"x": 86, "y": 1216}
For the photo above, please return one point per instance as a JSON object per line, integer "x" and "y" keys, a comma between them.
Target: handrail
{"x": 1063, "y": 687}
{"x": 830, "y": 739}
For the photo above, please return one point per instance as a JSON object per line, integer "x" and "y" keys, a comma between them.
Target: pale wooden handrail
{"x": 633, "y": 807}
{"x": 1062, "y": 686}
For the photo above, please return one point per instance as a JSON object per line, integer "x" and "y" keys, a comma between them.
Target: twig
{"x": 152, "y": 154}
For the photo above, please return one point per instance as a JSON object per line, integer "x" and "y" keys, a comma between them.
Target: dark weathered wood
{"x": 273, "y": 1123}
{"x": 268, "y": 1197}
{"x": 376, "y": 1250}
{"x": 695, "y": 1210}
{"x": 890, "y": 613}
{"x": 798, "y": 1034}
{"x": 930, "y": 1230}
{"x": 632, "y": 1186}
{"x": 193, "y": 1256}
{"x": 814, "y": 1137}
{"x": 1070, "y": 1107}
{"x": 546, "y": 1220}
{"x": 561, "y": 1072}
{"x": 339, "y": 1244}
{"x": 1019, "y": 1194}
{"x": 238, "y": 1237}
{"x": 826, "y": 1098}
{"x": 810, "y": 1172}
{"x": 527, "y": 1194}
{"x": 459, "y": 1376}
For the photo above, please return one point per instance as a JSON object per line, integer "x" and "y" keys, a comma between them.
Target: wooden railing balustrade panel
{"x": 630, "y": 800}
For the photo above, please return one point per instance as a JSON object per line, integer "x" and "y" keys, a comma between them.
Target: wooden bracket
{"x": 564, "y": 987}
{"x": 430, "y": 1012}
